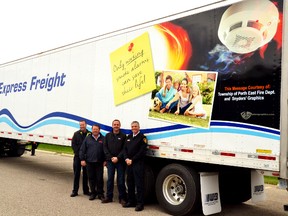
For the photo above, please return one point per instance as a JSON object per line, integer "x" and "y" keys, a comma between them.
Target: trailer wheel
{"x": 13, "y": 149}
{"x": 178, "y": 189}
{"x": 16, "y": 151}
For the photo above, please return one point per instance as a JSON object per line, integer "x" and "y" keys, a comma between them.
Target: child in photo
{"x": 196, "y": 107}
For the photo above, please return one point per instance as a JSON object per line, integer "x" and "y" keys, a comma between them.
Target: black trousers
{"x": 135, "y": 177}
{"x": 77, "y": 172}
{"x": 33, "y": 148}
{"x": 95, "y": 175}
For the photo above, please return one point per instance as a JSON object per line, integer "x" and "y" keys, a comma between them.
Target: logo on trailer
{"x": 246, "y": 115}
{"x": 258, "y": 189}
{"x": 211, "y": 199}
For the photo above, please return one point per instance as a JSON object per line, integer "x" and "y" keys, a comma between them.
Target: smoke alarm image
{"x": 246, "y": 26}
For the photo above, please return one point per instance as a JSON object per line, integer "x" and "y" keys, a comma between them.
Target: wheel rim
{"x": 174, "y": 189}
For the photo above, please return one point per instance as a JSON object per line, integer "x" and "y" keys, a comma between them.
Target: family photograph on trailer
{"x": 184, "y": 97}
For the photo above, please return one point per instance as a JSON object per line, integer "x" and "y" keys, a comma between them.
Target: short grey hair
{"x": 135, "y": 122}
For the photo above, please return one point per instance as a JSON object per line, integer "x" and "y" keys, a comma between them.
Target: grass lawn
{"x": 55, "y": 148}
{"x": 271, "y": 180}
{"x": 186, "y": 120}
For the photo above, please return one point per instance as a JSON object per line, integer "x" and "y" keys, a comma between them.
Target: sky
{"x": 33, "y": 26}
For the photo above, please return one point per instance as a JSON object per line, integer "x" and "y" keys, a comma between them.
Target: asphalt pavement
{"x": 41, "y": 185}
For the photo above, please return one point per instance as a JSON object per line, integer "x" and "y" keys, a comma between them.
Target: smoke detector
{"x": 248, "y": 25}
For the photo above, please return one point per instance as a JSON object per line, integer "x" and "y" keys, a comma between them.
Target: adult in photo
{"x": 183, "y": 99}
{"x": 166, "y": 93}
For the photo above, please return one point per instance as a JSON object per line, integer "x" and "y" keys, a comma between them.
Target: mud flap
{"x": 210, "y": 195}
{"x": 257, "y": 187}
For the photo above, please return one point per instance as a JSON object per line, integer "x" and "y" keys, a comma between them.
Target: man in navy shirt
{"x": 92, "y": 156}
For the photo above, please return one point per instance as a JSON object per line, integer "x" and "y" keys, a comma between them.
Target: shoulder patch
{"x": 144, "y": 140}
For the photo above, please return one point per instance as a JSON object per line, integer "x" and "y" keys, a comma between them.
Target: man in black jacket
{"x": 77, "y": 141}
{"x": 113, "y": 149}
{"x": 92, "y": 156}
{"x": 134, "y": 154}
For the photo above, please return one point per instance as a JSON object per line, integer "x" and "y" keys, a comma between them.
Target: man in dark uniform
{"x": 92, "y": 156}
{"x": 113, "y": 149}
{"x": 134, "y": 154}
{"x": 77, "y": 141}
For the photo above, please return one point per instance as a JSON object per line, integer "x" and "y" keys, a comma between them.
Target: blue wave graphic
{"x": 70, "y": 117}
{"x": 70, "y": 120}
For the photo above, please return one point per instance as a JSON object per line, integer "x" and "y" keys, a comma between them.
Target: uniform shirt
{"x": 77, "y": 141}
{"x": 92, "y": 149}
{"x": 135, "y": 147}
{"x": 113, "y": 145}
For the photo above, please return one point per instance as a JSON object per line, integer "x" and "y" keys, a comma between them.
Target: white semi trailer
{"x": 234, "y": 51}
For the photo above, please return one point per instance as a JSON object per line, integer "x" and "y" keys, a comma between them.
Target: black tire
{"x": 12, "y": 148}
{"x": 178, "y": 189}
{"x": 16, "y": 150}
{"x": 235, "y": 185}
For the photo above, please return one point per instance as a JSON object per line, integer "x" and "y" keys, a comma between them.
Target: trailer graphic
{"x": 234, "y": 51}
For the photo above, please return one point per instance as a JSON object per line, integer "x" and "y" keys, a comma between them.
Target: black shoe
{"x": 128, "y": 205}
{"x": 122, "y": 202}
{"x": 106, "y": 200}
{"x": 139, "y": 208}
{"x": 73, "y": 194}
{"x": 101, "y": 197}
{"x": 87, "y": 193}
{"x": 92, "y": 197}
